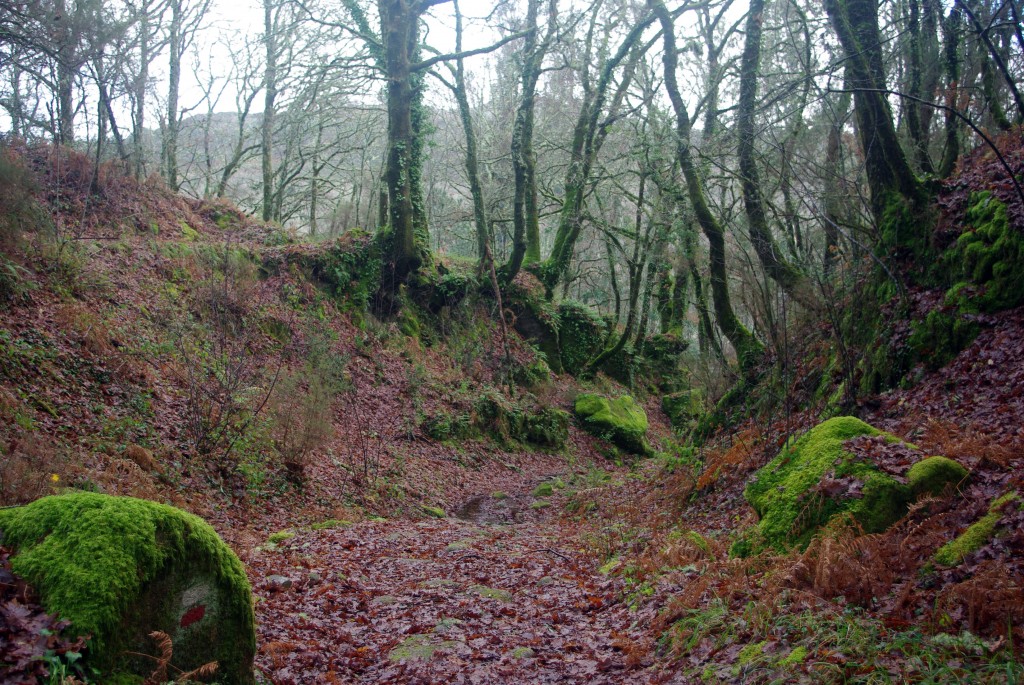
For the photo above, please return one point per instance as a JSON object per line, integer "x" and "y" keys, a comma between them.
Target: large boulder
{"x": 816, "y": 478}
{"x": 621, "y": 420}
{"x": 119, "y": 568}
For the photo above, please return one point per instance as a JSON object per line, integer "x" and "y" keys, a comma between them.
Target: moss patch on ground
{"x": 118, "y": 568}
{"x": 978, "y": 534}
{"x": 434, "y": 512}
{"x": 621, "y": 421}
{"x": 418, "y": 648}
{"x": 814, "y": 479}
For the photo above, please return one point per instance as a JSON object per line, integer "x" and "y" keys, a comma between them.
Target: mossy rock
{"x": 545, "y": 489}
{"x": 434, "y": 512}
{"x": 683, "y": 408}
{"x": 991, "y": 255}
{"x": 119, "y": 568}
{"x": 547, "y": 427}
{"x": 535, "y": 318}
{"x": 444, "y": 426}
{"x": 933, "y": 475}
{"x": 977, "y": 535}
{"x": 581, "y": 334}
{"x": 621, "y": 421}
{"x": 792, "y": 497}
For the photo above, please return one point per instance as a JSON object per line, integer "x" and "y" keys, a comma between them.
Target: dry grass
{"x": 965, "y": 443}
{"x": 739, "y": 458}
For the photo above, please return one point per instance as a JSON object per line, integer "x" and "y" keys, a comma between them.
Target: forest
{"x": 520, "y": 341}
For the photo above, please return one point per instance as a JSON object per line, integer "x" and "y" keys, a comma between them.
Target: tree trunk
{"x": 915, "y": 123}
{"x": 141, "y": 82}
{"x": 748, "y": 349}
{"x": 833, "y": 213}
{"x": 898, "y": 201}
{"x": 173, "y": 84}
{"x": 269, "y": 98}
{"x": 951, "y": 63}
{"x": 588, "y": 137}
{"x": 399, "y": 28}
{"x": 789, "y": 278}
{"x": 472, "y": 161}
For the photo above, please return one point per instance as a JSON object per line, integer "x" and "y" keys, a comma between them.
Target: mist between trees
{"x": 690, "y": 168}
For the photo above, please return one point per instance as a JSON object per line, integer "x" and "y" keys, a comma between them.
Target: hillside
{"x": 415, "y": 497}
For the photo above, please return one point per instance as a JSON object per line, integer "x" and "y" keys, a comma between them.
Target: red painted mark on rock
{"x": 193, "y": 615}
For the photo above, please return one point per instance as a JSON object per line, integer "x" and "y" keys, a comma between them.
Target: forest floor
{"x": 497, "y": 594}
{"x": 397, "y": 556}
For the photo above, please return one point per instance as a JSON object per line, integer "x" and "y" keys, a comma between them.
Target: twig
{"x": 549, "y": 551}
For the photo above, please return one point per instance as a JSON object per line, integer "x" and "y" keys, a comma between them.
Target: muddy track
{"x": 442, "y": 601}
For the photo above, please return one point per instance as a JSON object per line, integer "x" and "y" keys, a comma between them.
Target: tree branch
{"x": 427, "y": 63}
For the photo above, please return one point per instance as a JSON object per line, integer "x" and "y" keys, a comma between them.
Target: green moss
{"x": 992, "y": 255}
{"x": 797, "y": 656}
{"x": 418, "y": 648}
{"x": 547, "y": 427}
{"x": 621, "y": 421}
{"x": 349, "y": 268}
{"x": 540, "y": 504}
{"x": 280, "y": 536}
{"x": 933, "y": 474}
{"x": 942, "y": 335}
{"x": 408, "y": 323}
{"x": 444, "y": 426}
{"x": 784, "y": 492}
{"x": 435, "y": 512}
{"x": 977, "y": 535}
{"x": 544, "y": 490}
{"x": 536, "y": 319}
{"x": 747, "y": 543}
{"x": 331, "y": 523}
{"x": 522, "y": 653}
{"x": 188, "y": 232}
{"x": 683, "y": 408}
{"x": 92, "y": 557}
{"x": 581, "y": 334}
{"x": 751, "y": 652}
{"x": 499, "y": 495}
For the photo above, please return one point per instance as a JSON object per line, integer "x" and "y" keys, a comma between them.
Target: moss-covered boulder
{"x": 119, "y": 568}
{"x": 581, "y": 333}
{"x": 815, "y": 478}
{"x": 547, "y": 427}
{"x": 621, "y": 421}
{"x": 933, "y": 475}
{"x": 683, "y": 408}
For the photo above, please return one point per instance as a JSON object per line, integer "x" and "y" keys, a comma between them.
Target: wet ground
{"x": 496, "y": 594}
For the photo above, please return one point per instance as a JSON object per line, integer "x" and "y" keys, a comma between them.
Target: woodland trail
{"x": 504, "y": 597}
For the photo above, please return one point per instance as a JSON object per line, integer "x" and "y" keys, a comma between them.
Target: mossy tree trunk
{"x": 270, "y": 37}
{"x": 525, "y": 216}
{"x": 790, "y": 278}
{"x": 636, "y": 271}
{"x": 588, "y": 137}
{"x": 749, "y": 349}
{"x": 995, "y": 57}
{"x": 917, "y": 121}
{"x": 951, "y": 64}
{"x": 833, "y": 200}
{"x": 461, "y": 93}
{"x": 400, "y": 32}
{"x": 899, "y": 203}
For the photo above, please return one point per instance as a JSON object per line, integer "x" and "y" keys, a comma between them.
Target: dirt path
{"x": 486, "y": 600}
